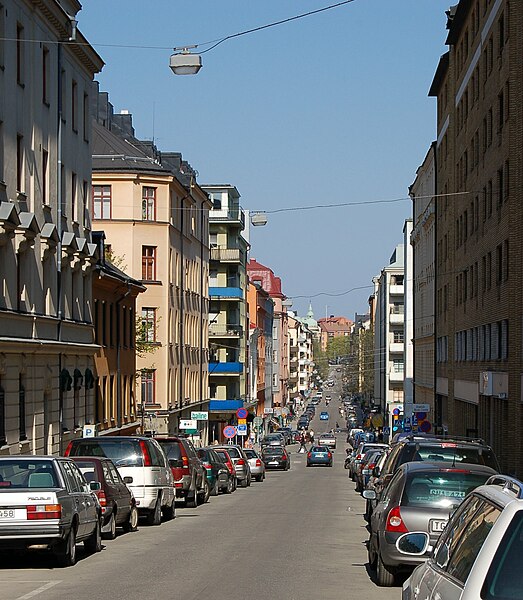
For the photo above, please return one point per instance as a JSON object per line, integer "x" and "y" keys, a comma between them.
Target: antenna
{"x": 154, "y": 107}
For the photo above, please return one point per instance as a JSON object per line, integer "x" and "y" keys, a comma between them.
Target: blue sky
{"x": 327, "y": 109}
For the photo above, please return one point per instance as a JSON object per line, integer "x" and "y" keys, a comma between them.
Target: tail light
{"x": 309, "y": 454}
{"x": 230, "y": 466}
{"x": 185, "y": 462}
{"x": 258, "y": 462}
{"x": 102, "y": 498}
{"x": 207, "y": 466}
{"x": 145, "y": 453}
{"x": 240, "y": 462}
{"x": 36, "y": 512}
{"x": 395, "y": 523}
{"x": 68, "y": 449}
{"x": 329, "y": 455}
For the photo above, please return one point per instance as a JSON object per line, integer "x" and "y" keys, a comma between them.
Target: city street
{"x": 298, "y": 535}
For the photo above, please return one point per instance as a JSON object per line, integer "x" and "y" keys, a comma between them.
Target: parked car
{"x": 276, "y": 457}
{"x": 359, "y": 453}
{"x": 273, "y": 439}
{"x": 420, "y": 497}
{"x": 47, "y": 503}
{"x": 319, "y": 455}
{"x": 364, "y": 469}
{"x": 215, "y": 469}
{"x": 444, "y": 450}
{"x": 116, "y": 499}
{"x": 369, "y": 504}
{"x": 241, "y": 464}
{"x": 189, "y": 475}
{"x": 477, "y": 555}
{"x": 327, "y": 439}
{"x": 255, "y": 463}
{"x": 227, "y": 461}
{"x": 144, "y": 462}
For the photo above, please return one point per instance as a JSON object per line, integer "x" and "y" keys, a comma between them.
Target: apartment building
{"x": 389, "y": 336}
{"x": 478, "y": 86}
{"x": 333, "y": 327}
{"x": 46, "y": 255}
{"x": 301, "y": 363}
{"x": 228, "y": 317}
{"x": 155, "y": 218}
{"x": 361, "y": 374}
{"x": 423, "y": 242}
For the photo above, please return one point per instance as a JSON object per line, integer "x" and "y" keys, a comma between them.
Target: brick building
{"x": 480, "y": 227}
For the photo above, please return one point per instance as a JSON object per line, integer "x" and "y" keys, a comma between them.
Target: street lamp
{"x": 183, "y": 62}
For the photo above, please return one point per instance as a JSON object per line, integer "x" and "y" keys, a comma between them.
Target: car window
{"x": 391, "y": 460}
{"x": 452, "y": 533}
{"x": 275, "y": 451}
{"x": 80, "y": 479}
{"x": 27, "y": 474}
{"x": 171, "y": 449}
{"x": 123, "y": 453}
{"x": 108, "y": 476}
{"x": 475, "y": 534}
{"x": 223, "y": 455}
{"x": 233, "y": 452}
{"x": 88, "y": 470}
{"x": 115, "y": 475}
{"x": 390, "y": 489}
{"x": 449, "y": 452}
{"x": 72, "y": 483}
{"x": 250, "y": 453}
{"x": 157, "y": 457}
{"x": 444, "y": 490}
{"x": 191, "y": 452}
{"x": 505, "y": 576}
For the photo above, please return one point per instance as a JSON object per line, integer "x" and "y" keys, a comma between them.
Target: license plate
{"x": 274, "y": 462}
{"x": 7, "y": 513}
{"x": 437, "y": 526}
{"x": 320, "y": 455}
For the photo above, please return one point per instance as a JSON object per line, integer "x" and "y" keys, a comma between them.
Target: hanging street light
{"x": 184, "y": 62}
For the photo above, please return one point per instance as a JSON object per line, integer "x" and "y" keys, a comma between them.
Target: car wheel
{"x": 385, "y": 577}
{"x": 371, "y": 554}
{"x": 110, "y": 528}
{"x": 191, "y": 500}
{"x": 259, "y": 478}
{"x": 215, "y": 489}
{"x": 132, "y": 520}
{"x": 93, "y": 544}
{"x": 155, "y": 515}
{"x": 169, "y": 512}
{"x": 243, "y": 483}
{"x": 229, "y": 488}
{"x": 249, "y": 481}
{"x": 358, "y": 487}
{"x": 204, "y": 494}
{"x": 65, "y": 552}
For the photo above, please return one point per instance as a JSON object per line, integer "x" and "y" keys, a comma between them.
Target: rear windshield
{"x": 171, "y": 449}
{"x": 233, "y": 452}
{"x": 319, "y": 449}
{"x": 26, "y": 474}
{"x": 203, "y": 454}
{"x": 276, "y": 451}
{"x": 126, "y": 453}
{"x": 450, "y": 453}
{"x": 222, "y": 454}
{"x": 440, "y": 489}
{"x": 250, "y": 453}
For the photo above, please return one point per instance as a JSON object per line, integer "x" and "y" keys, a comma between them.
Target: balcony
{"x": 226, "y": 293}
{"x": 396, "y": 376}
{"x": 396, "y": 347}
{"x": 396, "y": 290}
{"x": 225, "y": 368}
{"x": 226, "y": 255}
{"x": 228, "y": 215}
{"x": 218, "y": 330}
{"x": 225, "y": 405}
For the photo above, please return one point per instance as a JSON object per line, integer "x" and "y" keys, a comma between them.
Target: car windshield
{"x": 171, "y": 448}
{"x": 233, "y": 452}
{"x": 27, "y": 474}
{"x": 203, "y": 454}
{"x": 440, "y": 489}
{"x": 123, "y": 453}
{"x": 449, "y": 452}
{"x": 273, "y": 451}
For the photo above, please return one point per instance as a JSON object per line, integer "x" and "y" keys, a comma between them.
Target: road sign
{"x": 268, "y": 411}
{"x": 257, "y": 421}
{"x": 396, "y": 411}
{"x": 242, "y": 421}
{"x": 89, "y": 430}
{"x": 188, "y": 424}
{"x": 241, "y": 413}
{"x": 386, "y": 431}
{"x": 406, "y": 421}
{"x": 407, "y": 428}
{"x": 241, "y": 429}
{"x": 425, "y": 426}
{"x": 200, "y": 415}
{"x": 229, "y": 431}
{"x": 421, "y": 416}
{"x": 421, "y": 408}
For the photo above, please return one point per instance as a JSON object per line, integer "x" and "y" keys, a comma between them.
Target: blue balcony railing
{"x": 225, "y": 368}
{"x": 226, "y": 292}
{"x": 225, "y": 405}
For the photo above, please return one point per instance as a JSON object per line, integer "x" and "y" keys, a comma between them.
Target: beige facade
{"x": 46, "y": 254}
{"x": 155, "y": 218}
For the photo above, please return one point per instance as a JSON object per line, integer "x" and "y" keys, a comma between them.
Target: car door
{"x": 122, "y": 496}
{"x": 162, "y": 471}
{"x": 74, "y": 488}
{"x": 88, "y": 499}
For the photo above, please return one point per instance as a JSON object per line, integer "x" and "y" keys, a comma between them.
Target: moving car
{"x": 116, "y": 500}
{"x": 144, "y": 462}
{"x": 327, "y": 439}
{"x": 420, "y": 497}
{"x": 276, "y": 457}
{"x": 319, "y": 455}
{"x": 324, "y": 416}
{"x": 255, "y": 463}
{"x": 46, "y": 503}
{"x": 477, "y": 555}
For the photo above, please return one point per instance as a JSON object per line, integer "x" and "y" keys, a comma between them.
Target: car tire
{"x": 215, "y": 489}
{"x": 132, "y": 521}
{"x": 384, "y": 576}
{"x": 358, "y": 487}
{"x": 229, "y": 489}
{"x": 371, "y": 554}
{"x": 169, "y": 512}
{"x": 249, "y": 481}
{"x": 155, "y": 515}
{"x": 204, "y": 494}
{"x": 244, "y": 483}
{"x": 110, "y": 533}
{"x": 259, "y": 478}
{"x": 65, "y": 552}
{"x": 191, "y": 500}
{"x": 93, "y": 543}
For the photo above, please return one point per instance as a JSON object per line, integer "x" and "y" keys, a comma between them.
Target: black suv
{"x": 450, "y": 451}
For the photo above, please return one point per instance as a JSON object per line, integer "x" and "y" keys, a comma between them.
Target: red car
{"x": 231, "y": 486}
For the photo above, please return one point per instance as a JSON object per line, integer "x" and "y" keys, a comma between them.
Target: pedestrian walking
{"x": 311, "y": 436}
{"x": 303, "y": 439}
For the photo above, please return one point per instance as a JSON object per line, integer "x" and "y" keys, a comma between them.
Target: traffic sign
{"x": 421, "y": 416}
{"x": 241, "y": 429}
{"x": 406, "y": 421}
{"x": 229, "y": 431}
{"x": 421, "y": 408}
{"x": 425, "y": 426}
{"x": 396, "y": 411}
{"x": 386, "y": 430}
{"x": 241, "y": 413}
{"x": 407, "y": 428}
{"x": 257, "y": 421}
{"x": 242, "y": 421}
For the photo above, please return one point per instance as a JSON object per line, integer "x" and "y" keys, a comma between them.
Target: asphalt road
{"x": 299, "y": 535}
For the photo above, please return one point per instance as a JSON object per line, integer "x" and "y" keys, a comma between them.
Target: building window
{"x": 397, "y": 365}
{"x": 45, "y": 75}
{"x": 102, "y": 201}
{"x": 19, "y": 54}
{"x": 148, "y": 331}
{"x": 74, "y": 216}
{"x": 148, "y": 204}
{"x": 45, "y": 175}
{"x": 74, "y": 106}
{"x": 398, "y": 337}
{"x": 2, "y": 35}
{"x": 149, "y": 263}
{"x": 21, "y": 409}
{"x": 148, "y": 386}
{"x": 86, "y": 114}
{"x": 20, "y": 163}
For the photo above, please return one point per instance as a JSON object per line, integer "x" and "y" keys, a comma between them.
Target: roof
{"x": 335, "y": 324}
{"x": 439, "y": 76}
{"x": 456, "y": 18}
{"x": 266, "y": 277}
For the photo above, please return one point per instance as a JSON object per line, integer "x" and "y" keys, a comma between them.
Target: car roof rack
{"x": 446, "y": 438}
{"x": 508, "y": 484}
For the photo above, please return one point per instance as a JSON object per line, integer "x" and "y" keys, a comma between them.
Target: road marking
{"x": 39, "y": 590}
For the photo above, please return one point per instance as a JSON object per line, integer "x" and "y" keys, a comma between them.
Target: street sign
{"x": 407, "y": 428}
{"x": 229, "y": 431}
{"x": 257, "y": 421}
{"x": 396, "y": 411}
{"x": 241, "y": 429}
{"x": 188, "y": 424}
{"x": 386, "y": 431}
{"x": 89, "y": 430}
{"x": 201, "y": 415}
{"x": 421, "y": 408}
{"x": 421, "y": 416}
{"x": 425, "y": 426}
{"x": 242, "y": 421}
{"x": 268, "y": 411}
{"x": 406, "y": 421}
{"x": 241, "y": 413}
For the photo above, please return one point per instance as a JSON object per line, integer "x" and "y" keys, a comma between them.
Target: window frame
{"x": 102, "y": 200}
{"x": 149, "y": 263}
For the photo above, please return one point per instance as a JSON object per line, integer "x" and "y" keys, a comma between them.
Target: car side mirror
{"x": 369, "y": 494}
{"x": 94, "y": 486}
{"x": 414, "y": 544}
{"x": 128, "y": 480}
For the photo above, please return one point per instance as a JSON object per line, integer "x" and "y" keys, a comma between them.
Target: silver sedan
{"x": 256, "y": 463}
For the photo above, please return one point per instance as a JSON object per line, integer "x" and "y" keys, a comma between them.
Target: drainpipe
{"x": 59, "y": 193}
{"x": 118, "y": 356}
